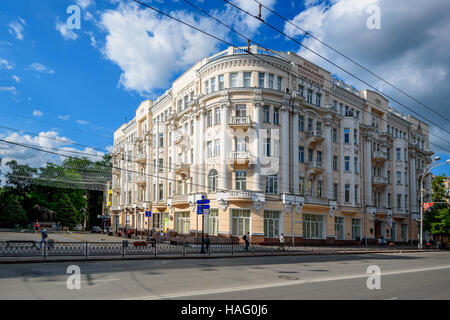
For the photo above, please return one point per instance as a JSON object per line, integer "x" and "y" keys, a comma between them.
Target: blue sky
{"x": 81, "y": 85}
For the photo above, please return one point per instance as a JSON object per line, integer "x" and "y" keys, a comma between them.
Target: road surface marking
{"x": 105, "y": 280}
{"x": 278, "y": 284}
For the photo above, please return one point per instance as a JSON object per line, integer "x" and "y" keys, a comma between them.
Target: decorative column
{"x": 368, "y": 170}
{"x": 257, "y": 179}
{"x": 295, "y": 160}
{"x": 284, "y": 149}
{"x": 197, "y": 152}
{"x": 202, "y": 174}
{"x": 328, "y": 157}
{"x": 148, "y": 170}
{"x": 224, "y": 152}
{"x": 174, "y": 160}
{"x": 412, "y": 184}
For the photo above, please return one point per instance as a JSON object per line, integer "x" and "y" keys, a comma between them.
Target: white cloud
{"x": 16, "y": 28}
{"x": 82, "y": 122}
{"x": 410, "y": 50}
{"x": 84, "y": 3}
{"x": 66, "y": 117}
{"x": 12, "y": 90}
{"x": 16, "y": 78}
{"x": 39, "y": 67}
{"x": 151, "y": 49}
{"x": 6, "y": 64}
{"x": 37, "y": 113}
{"x": 66, "y": 33}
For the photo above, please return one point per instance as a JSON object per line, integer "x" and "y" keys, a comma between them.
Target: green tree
{"x": 65, "y": 211}
{"x": 437, "y": 218}
{"x": 11, "y": 211}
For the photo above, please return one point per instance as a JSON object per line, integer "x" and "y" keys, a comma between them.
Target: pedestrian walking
{"x": 44, "y": 236}
{"x": 207, "y": 243}
{"x": 282, "y": 242}
{"x": 36, "y": 227}
{"x": 246, "y": 238}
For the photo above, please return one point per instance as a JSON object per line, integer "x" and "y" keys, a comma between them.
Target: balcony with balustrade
{"x": 315, "y": 167}
{"x": 239, "y": 157}
{"x": 314, "y": 136}
{"x": 379, "y": 181}
{"x": 315, "y": 200}
{"x": 141, "y": 179}
{"x": 141, "y": 157}
{"x": 379, "y": 155}
{"x": 183, "y": 170}
{"x": 240, "y": 122}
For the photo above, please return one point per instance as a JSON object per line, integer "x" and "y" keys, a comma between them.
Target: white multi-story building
{"x": 278, "y": 146}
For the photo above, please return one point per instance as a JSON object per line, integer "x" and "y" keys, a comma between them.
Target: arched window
{"x": 212, "y": 180}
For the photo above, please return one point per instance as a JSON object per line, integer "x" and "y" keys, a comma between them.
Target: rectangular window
{"x": 356, "y": 165}
{"x": 272, "y": 184}
{"x": 161, "y": 192}
{"x": 161, "y": 139}
{"x": 271, "y": 77}
{"x": 347, "y": 193}
{"x": 346, "y": 135}
{"x": 356, "y": 229}
{"x": 213, "y": 222}
{"x": 217, "y": 148}
{"x": 241, "y": 180}
{"x": 335, "y": 190}
{"x": 355, "y": 136}
{"x": 335, "y": 163}
{"x": 221, "y": 82}
{"x": 313, "y": 226}
{"x": 240, "y": 222}
{"x": 398, "y": 154}
{"x": 318, "y": 99}
{"x": 309, "y": 96}
{"x": 319, "y": 156}
{"x": 267, "y": 147}
{"x": 356, "y": 194}
{"x": 266, "y": 113}
{"x": 301, "y": 154}
{"x": 399, "y": 201}
{"x": 394, "y": 232}
{"x": 217, "y": 116}
{"x": 302, "y": 186}
{"x": 334, "y": 135}
{"x": 276, "y": 116}
{"x": 206, "y": 88}
{"x": 310, "y": 155}
{"x": 399, "y": 177}
{"x": 182, "y": 222}
{"x": 301, "y": 123}
{"x": 347, "y": 164}
{"x": 234, "y": 80}
{"x": 213, "y": 84}
{"x": 261, "y": 79}
{"x": 209, "y": 151}
{"x": 247, "y": 79}
{"x": 301, "y": 89}
{"x": 161, "y": 165}
{"x": 271, "y": 224}
{"x": 404, "y": 231}
{"x": 339, "y": 228}
{"x": 279, "y": 81}
{"x": 389, "y": 200}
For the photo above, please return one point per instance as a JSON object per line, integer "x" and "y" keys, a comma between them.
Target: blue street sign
{"x": 148, "y": 214}
{"x": 203, "y": 201}
{"x": 206, "y": 206}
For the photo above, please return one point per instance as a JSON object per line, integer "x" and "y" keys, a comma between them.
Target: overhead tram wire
{"x": 334, "y": 64}
{"x": 248, "y": 39}
{"x": 307, "y": 33}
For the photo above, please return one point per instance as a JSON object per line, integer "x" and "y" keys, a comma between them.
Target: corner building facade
{"x": 278, "y": 146}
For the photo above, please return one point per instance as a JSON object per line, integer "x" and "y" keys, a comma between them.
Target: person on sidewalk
{"x": 246, "y": 238}
{"x": 36, "y": 227}
{"x": 207, "y": 243}
{"x": 282, "y": 241}
{"x": 44, "y": 239}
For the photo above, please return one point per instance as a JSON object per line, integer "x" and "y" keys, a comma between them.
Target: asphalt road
{"x": 403, "y": 276}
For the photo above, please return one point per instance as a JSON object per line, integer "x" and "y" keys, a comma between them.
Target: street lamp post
{"x": 426, "y": 171}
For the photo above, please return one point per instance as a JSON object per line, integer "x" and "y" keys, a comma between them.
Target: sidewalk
{"x": 13, "y": 260}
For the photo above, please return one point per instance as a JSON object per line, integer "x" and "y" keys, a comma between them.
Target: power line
{"x": 307, "y": 33}
{"x": 248, "y": 39}
{"x": 334, "y": 64}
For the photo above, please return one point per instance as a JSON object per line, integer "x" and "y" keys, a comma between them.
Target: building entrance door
{"x": 377, "y": 229}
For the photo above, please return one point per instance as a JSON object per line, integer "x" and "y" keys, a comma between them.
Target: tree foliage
{"x": 437, "y": 218}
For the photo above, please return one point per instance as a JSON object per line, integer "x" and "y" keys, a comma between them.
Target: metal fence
{"x": 161, "y": 247}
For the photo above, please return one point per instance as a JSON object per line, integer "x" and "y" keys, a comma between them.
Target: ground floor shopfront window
{"x": 271, "y": 224}
{"x": 356, "y": 229}
{"x": 339, "y": 223}
{"x": 213, "y": 222}
{"x": 313, "y": 226}
{"x": 240, "y": 222}
{"x": 182, "y": 222}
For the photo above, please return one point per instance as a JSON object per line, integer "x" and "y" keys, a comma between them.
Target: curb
{"x": 207, "y": 256}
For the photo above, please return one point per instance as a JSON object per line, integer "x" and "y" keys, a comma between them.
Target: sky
{"x": 74, "y": 87}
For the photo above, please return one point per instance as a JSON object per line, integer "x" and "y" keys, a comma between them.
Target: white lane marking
{"x": 393, "y": 298}
{"x": 86, "y": 281}
{"x": 277, "y": 284}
